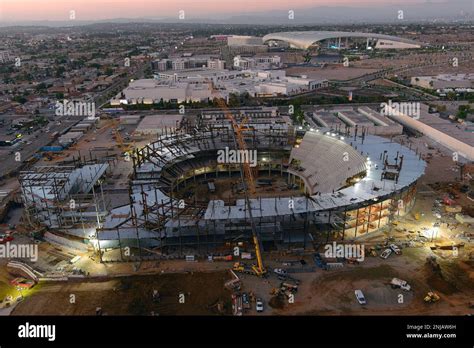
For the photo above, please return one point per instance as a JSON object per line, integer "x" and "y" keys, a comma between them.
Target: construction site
{"x": 249, "y": 202}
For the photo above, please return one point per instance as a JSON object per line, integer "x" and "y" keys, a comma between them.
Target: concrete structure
{"x": 305, "y": 39}
{"x": 353, "y": 186}
{"x": 129, "y": 119}
{"x": 70, "y": 137}
{"x": 355, "y": 202}
{"x": 158, "y": 124}
{"x": 64, "y": 197}
{"x": 441, "y": 131}
{"x": 352, "y": 120}
{"x": 444, "y": 81}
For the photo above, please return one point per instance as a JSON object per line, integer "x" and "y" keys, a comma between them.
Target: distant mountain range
{"x": 431, "y": 10}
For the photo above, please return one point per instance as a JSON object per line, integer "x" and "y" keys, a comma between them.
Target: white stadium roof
{"x": 304, "y": 39}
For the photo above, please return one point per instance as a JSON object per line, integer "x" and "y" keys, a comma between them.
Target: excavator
{"x": 250, "y": 190}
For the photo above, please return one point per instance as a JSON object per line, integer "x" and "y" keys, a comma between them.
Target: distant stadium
{"x": 334, "y": 39}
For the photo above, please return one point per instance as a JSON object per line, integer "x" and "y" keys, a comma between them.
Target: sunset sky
{"x": 30, "y": 10}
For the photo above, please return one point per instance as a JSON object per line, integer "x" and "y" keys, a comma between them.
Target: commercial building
{"x": 444, "y": 81}
{"x": 153, "y": 91}
{"x": 216, "y": 64}
{"x": 200, "y": 85}
{"x": 263, "y": 62}
{"x": 188, "y": 62}
{"x": 5, "y": 57}
{"x": 452, "y": 136}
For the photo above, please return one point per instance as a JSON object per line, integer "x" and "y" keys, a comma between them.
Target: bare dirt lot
{"x": 332, "y": 292}
{"x": 203, "y": 294}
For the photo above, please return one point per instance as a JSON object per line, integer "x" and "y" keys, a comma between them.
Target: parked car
{"x": 360, "y": 297}
{"x": 386, "y": 253}
{"x": 259, "y": 305}
{"x": 245, "y": 300}
{"x": 279, "y": 271}
{"x": 395, "y": 249}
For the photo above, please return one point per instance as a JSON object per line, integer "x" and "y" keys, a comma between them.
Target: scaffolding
{"x": 160, "y": 222}
{"x": 64, "y": 197}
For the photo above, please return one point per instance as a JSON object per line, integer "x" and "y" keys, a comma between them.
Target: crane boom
{"x": 249, "y": 185}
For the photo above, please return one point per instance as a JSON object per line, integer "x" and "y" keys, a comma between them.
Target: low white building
{"x": 444, "y": 81}
{"x": 262, "y": 62}
{"x": 153, "y": 91}
{"x": 216, "y": 64}
{"x": 158, "y": 124}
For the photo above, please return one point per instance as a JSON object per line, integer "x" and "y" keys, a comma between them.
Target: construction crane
{"x": 238, "y": 132}
{"x": 126, "y": 149}
{"x": 249, "y": 187}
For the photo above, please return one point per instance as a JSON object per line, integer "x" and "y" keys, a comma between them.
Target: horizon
{"x": 13, "y": 11}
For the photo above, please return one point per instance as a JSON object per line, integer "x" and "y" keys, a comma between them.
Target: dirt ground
{"x": 133, "y": 296}
{"x": 332, "y": 292}
{"x": 226, "y": 188}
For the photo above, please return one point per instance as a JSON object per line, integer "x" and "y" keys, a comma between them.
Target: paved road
{"x": 38, "y": 139}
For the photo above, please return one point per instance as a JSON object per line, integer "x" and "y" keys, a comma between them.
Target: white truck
{"x": 399, "y": 283}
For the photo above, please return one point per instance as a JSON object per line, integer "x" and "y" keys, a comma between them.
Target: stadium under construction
{"x": 312, "y": 186}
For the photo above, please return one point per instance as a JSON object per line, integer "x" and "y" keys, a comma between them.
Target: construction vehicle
{"x": 243, "y": 268}
{"x": 372, "y": 252}
{"x": 431, "y": 297}
{"x": 125, "y": 148}
{"x": 399, "y": 283}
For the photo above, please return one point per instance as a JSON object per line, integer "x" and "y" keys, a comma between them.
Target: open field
{"x": 133, "y": 296}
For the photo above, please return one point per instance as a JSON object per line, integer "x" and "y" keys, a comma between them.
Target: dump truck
{"x": 399, "y": 283}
